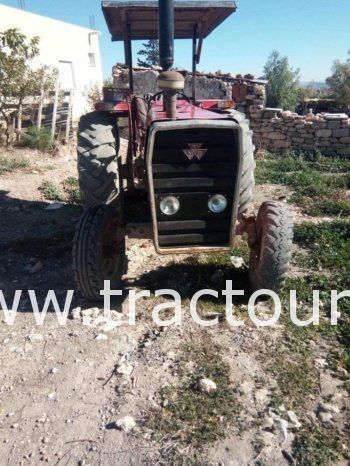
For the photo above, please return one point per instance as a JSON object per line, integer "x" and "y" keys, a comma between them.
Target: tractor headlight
{"x": 217, "y": 203}
{"x": 169, "y": 205}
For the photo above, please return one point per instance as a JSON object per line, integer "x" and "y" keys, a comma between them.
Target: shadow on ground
{"x": 35, "y": 254}
{"x": 35, "y": 247}
{"x": 187, "y": 278}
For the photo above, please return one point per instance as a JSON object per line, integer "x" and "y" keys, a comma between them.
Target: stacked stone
{"x": 329, "y": 133}
{"x": 208, "y": 86}
{"x": 339, "y": 138}
{"x": 145, "y": 79}
{"x": 253, "y": 106}
{"x": 273, "y": 128}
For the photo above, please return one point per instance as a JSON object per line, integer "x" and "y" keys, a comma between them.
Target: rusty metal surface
{"x": 184, "y": 111}
{"x": 117, "y": 107}
{"x": 247, "y": 224}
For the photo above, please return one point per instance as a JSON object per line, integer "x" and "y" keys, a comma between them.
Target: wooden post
{"x": 69, "y": 114}
{"x": 54, "y": 113}
{"x": 12, "y": 129}
{"x": 40, "y": 109}
{"x": 19, "y": 122}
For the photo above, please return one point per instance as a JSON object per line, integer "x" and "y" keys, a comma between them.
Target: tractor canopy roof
{"x": 141, "y": 16}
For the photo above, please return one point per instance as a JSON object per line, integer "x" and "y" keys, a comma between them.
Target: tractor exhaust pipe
{"x": 170, "y": 82}
{"x": 166, "y": 33}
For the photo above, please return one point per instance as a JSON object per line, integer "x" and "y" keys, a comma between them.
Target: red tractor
{"x": 194, "y": 158}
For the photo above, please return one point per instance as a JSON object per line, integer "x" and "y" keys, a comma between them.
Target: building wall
{"x": 64, "y": 46}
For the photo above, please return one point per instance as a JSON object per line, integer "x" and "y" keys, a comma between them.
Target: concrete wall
{"x": 64, "y": 46}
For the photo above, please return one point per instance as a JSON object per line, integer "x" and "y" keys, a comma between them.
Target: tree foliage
{"x": 93, "y": 94}
{"x": 339, "y": 82}
{"x": 282, "y": 87}
{"x": 19, "y": 80}
{"x": 150, "y": 54}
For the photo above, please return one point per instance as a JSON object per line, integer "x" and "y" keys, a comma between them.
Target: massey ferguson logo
{"x": 194, "y": 151}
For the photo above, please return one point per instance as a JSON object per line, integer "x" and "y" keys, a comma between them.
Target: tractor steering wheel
{"x": 185, "y": 97}
{"x": 155, "y": 96}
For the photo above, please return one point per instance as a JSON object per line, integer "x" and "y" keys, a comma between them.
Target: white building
{"x": 73, "y": 50}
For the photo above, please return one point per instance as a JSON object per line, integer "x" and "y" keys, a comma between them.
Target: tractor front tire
{"x": 98, "y": 146}
{"x": 98, "y": 251}
{"x": 270, "y": 256}
{"x": 247, "y": 180}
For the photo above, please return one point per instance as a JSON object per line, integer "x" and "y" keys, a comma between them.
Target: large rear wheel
{"x": 247, "y": 180}
{"x": 98, "y": 251}
{"x": 98, "y": 146}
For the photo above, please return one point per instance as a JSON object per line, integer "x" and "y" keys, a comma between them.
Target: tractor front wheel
{"x": 271, "y": 253}
{"x": 98, "y": 251}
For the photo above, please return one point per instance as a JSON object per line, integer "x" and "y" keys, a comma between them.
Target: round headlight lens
{"x": 169, "y": 205}
{"x": 217, "y": 203}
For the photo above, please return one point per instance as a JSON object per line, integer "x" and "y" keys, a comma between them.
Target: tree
{"x": 282, "y": 86}
{"x": 311, "y": 92}
{"x": 93, "y": 94}
{"x": 339, "y": 82}
{"x": 18, "y": 79}
{"x": 150, "y": 52}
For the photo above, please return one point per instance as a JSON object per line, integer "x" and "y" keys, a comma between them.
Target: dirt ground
{"x": 64, "y": 389}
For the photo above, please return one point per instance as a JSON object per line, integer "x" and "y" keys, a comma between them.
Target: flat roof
{"x": 9, "y": 12}
{"x": 142, "y": 17}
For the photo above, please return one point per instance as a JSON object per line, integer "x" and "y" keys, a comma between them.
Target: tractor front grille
{"x": 211, "y": 167}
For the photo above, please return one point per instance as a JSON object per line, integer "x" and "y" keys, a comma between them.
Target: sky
{"x": 312, "y": 33}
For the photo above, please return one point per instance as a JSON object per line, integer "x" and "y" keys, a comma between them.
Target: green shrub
{"x": 7, "y": 165}
{"x": 316, "y": 445}
{"x": 71, "y": 187}
{"x": 72, "y": 181}
{"x": 38, "y": 138}
{"x": 50, "y": 191}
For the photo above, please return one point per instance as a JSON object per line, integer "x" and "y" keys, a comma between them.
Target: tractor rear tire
{"x": 98, "y": 147}
{"x": 269, "y": 258}
{"x": 98, "y": 251}
{"x": 247, "y": 180}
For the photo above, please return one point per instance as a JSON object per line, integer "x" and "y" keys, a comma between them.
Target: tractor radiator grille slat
{"x": 164, "y": 155}
{"x": 165, "y": 170}
{"x": 193, "y": 177}
{"x": 195, "y": 238}
{"x": 193, "y": 183}
{"x": 193, "y": 225}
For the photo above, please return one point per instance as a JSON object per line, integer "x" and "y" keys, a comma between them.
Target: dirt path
{"x": 65, "y": 389}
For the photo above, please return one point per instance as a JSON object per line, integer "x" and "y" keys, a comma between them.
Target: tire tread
{"x": 98, "y": 146}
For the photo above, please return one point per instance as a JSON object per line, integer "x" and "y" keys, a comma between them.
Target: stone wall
{"x": 273, "y": 129}
{"x": 282, "y": 130}
{"x": 248, "y": 92}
